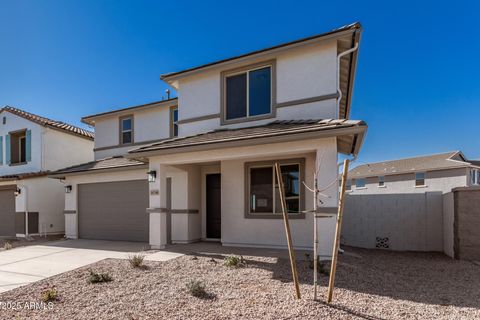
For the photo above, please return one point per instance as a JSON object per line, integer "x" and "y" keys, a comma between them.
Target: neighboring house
{"x": 399, "y": 204}
{"x": 210, "y": 153}
{"x": 30, "y": 147}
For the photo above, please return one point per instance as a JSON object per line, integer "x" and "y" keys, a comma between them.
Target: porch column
{"x": 327, "y": 180}
{"x": 158, "y": 207}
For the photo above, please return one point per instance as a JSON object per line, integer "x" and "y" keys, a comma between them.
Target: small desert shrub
{"x": 321, "y": 266}
{"x": 234, "y": 261}
{"x": 7, "y": 245}
{"x": 136, "y": 260}
{"x": 196, "y": 289}
{"x": 99, "y": 277}
{"x": 49, "y": 295}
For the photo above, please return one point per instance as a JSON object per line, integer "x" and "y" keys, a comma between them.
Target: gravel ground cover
{"x": 370, "y": 285}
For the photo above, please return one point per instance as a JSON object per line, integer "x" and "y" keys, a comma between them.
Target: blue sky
{"x": 417, "y": 84}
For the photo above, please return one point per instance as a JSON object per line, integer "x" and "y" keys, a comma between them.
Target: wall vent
{"x": 382, "y": 243}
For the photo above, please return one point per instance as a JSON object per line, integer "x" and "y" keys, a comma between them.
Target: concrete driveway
{"x": 21, "y": 266}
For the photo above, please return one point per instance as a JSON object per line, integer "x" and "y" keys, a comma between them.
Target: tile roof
{"x": 23, "y": 176}
{"x": 447, "y": 160}
{"x": 102, "y": 164}
{"x": 57, "y": 125}
{"x": 275, "y": 129}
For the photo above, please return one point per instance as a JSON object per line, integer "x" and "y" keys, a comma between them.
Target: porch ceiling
{"x": 349, "y": 135}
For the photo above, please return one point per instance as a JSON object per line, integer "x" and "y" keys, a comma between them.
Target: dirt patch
{"x": 370, "y": 285}
{"x": 31, "y": 241}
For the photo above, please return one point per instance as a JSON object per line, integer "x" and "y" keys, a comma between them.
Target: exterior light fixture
{"x": 152, "y": 176}
{"x": 18, "y": 192}
{"x": 68, "y": 189}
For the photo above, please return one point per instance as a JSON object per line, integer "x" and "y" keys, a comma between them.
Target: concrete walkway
{"x": 21, "y": 266}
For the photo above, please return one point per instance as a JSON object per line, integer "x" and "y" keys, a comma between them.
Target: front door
{"x": 214, "y": 215}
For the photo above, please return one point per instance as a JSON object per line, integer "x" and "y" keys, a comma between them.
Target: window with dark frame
{"x": 419, "y": 179}
{"x": 248, "y": 93}
{"x": 381, "y": 181}
{"x": 174, "y": 121}
{"x": 126, "y": 130}
{"x": 264, "y": 196}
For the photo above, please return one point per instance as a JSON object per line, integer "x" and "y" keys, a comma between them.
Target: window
{"x": 360, "y": 183}
{"x": 126, "y": 130}
{"x": 174, "y": 121}
{"x": 18, "y": 147}
{"x": 248, "y": 93}
{"x": 381, "y": 181}
{"x": 419, "y": 179}
{"x": 349, "y": 185}
{"x": 263, "y": 193}
{"x": 475, "y": 177}
{"x": 4, "y": 120}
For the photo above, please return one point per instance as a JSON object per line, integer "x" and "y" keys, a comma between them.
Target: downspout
{"x": 339, "y": 91}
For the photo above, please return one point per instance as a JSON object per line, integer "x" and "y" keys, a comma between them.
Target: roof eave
{"x": 358, "y": 130}
{"x": 170, "y": 78}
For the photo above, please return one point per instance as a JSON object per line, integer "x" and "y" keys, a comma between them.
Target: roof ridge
{"x": 408, "y": 158}
{"x": 54, "y": 124}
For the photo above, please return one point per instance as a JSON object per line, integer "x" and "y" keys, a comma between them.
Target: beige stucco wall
{"x": 149, "y": 124}
{"x": 236, "y": 229}
{"x": 301, "y": 73}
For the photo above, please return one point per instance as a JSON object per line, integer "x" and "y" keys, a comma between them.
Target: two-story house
{"x": 399, "y": 204}
{"x": 30, "y": 147}
{"x": 209, "y": 173}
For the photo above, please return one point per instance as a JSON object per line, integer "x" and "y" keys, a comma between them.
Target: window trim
{"x": 22, "y": 133}
{"x": 172, "y": 123}
{"x": 120, "y": 129}
{"x": 245, "y": 69}
{"x": 381, "y": 181}
{"x": 364, "y": 185}
{"x": 271, "y": 163}
{"x": 475, "y": 177}
{"x": 424, "y": 180}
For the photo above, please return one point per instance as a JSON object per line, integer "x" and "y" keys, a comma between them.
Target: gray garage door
{"x": 7, "y": 212}
{"x": 113, "y": 211}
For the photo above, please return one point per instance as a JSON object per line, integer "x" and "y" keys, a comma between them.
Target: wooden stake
{"x": 291, "y": 252}
{"x": 338, "y": 230}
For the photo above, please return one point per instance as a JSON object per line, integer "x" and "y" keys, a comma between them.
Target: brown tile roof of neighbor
{"x": 23, "y": 176}
{"x": 97, "y": 165}
{"x": 448, "y": 160}
{"x": 56, "y": 125}
{"x": 276, "y": 131}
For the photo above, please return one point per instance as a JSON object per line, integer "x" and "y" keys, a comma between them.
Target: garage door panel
{"x": 114, "y": 210}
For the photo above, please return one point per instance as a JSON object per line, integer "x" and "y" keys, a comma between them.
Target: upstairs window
{"x": 18, "y": 147}
{"x": 419, "y": 179}
{"x": 381, "y": 181}
{"x": 248, "y": 94}
{"x": 126, "y": 130}
{"x": 475, "y": 177}
{"x": 174, "y": 121}
{"x": 348, "y": 187}
{"x": 360, "y": 183}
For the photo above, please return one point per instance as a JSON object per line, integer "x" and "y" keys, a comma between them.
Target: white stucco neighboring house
{"x": 399, "y": 204}
{"x": 31, "y": 147}
{"x": 201, "y": 166}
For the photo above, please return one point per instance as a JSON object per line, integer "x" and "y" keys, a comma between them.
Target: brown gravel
{"x": 370, "y": 285}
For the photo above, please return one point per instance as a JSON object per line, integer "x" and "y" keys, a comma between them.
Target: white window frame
{"x": 424, "y": 180}
{"x": 475, "y": 177}
{"x": 364, "y": 185}
{"x": 122, "y": 131}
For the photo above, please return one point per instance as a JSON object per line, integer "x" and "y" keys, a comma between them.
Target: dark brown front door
{"x": 214, "y": 216}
